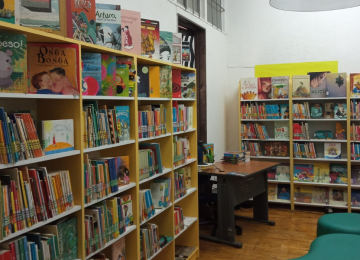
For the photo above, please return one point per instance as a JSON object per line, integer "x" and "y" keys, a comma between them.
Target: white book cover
{"x": 58, "y": 136}
{"x": 337, "y": 197}
{"x": 158, "y": 194}
{"x": 249, "y": 89}
{"x": 191, "y": 118}
{"x": 332, "y": 150}
{"x": 283, "y": 173}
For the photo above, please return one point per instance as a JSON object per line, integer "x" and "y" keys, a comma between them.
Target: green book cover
{"x": 122, "y": 80}
{"x": 21, "y": 248}
{"x": 165, "y": 81}
{"x": 70, "y": 240}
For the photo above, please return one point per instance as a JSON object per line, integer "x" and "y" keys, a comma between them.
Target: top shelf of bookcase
{"x": 326, "y": 98}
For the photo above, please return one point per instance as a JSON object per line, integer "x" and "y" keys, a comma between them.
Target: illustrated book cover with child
{"x": 57, "y": 136}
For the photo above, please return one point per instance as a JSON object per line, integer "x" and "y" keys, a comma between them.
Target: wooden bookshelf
{"x": 71, "y": 107}
{"x": 315, "y": 123}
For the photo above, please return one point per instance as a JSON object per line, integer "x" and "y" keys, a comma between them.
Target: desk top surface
{"x": 249, "y": 167}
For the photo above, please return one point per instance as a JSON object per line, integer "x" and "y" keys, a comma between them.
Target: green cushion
{"x": 347, "y": 223}
{"x": 334, "y": 247}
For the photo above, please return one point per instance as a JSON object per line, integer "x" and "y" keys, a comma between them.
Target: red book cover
{"x": 46, "y": 198}
{"x": 12, "y": 250}
{"x": 140, "y": 125}
{"x": 150, "y": 39}
{"x": 36, "y": 199}
{"x": 33, "y": 174}
{"x": 176, "y": 83}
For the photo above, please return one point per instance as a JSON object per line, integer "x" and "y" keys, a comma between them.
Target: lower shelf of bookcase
{"x": 320, "y": 205}
{"x": 158, "y": 252}
{"x": 188, "y": 221}
{"x": 157, "y": 212}
{"x": 128, "y": 230}
{"x": 320, "y": 184}
{"x": 278, "y": 181}
{"x": 188, "y": 161}
{"x": 188, "y": 192}
{"x": 42, "y": 223}
{"x": 193, "y": 256}
{"x": 165, "y": 171}
{"x": 321, "y": 159}
{"x": 266, "y": 140}
{"x": 280, "y": 201}
{"x": 271, "y": 157}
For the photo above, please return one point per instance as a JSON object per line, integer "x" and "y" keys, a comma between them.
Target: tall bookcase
{"x": 314, "y": 125}
{"x": 53, "y": 107}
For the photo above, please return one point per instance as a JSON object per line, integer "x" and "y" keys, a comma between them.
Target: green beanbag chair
{"x": 345, "y": 223}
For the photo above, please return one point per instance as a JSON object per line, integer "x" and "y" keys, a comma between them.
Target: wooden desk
{"x": 233, "y": 190}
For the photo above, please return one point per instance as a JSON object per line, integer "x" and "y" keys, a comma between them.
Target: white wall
{"x": 259, "y": 34}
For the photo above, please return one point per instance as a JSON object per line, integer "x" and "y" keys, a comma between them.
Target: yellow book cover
{"x": 56, "y": 195}
{"x": 14, "y": 214}
{"x": 103, "y": 181}
{"x": 154, "y": 80}
{"x": 112, "y": 203}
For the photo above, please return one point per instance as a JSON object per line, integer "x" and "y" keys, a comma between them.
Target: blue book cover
{"x": 27, "y": 253}
{"x": 304, "y": 172}
{"x": 283, "y": 192}
{"x": 158, "y": 153}
{"x": 143, "y": 81}
{"x": 340, "y": 111}
{"x": 123, "y": 117}
{"x": 91, "y": 74}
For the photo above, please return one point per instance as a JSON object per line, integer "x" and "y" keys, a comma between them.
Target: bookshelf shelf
{"x": 165, "y": 171}
{"x": 40, "y": 159}
{"x": 157, "y": 213}
{"x": 271, "y": 157}
{"x": 188, "y": 192}
{"x": 161, "y": 249}
{"x": 107, "y": 98}
{"x": 188, "y": 131}
{"x": 280, "y": 201}
{"x": 42, "y": 223}
{"x": 154, "y": 99}
{"x": 321, "y": 141}
{"x": 277, "y": 181}
{"x": 267, "y": 140}
{"x": 355, "y": 186}
{"x": 183, "y": 99}
{"x": 155, "y": 137}
{"x": 355, "y": 161}
{"x": 320, "y": 119}
{"x": 315, "y": 99}
{"x": 265, "y": 120}
{"x": 108, "y": 146}
{"x": 188, "y": 161}
{"x": 266, "y": 100}
{"x": 320, "y": 184}
{"x": 188, "y": 221}
{"x": 128, "y": 230}
{"x": 37, "y": 96}
{"x": 320, "y": 205}
{"x": 320, "y": 159}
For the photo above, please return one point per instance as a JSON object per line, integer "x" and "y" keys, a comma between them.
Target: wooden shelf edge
{"x": 188, "y": 161}
{"x": 154, "y": 137}
{"x": 161, "y": 249}
{"x": 157, "y": 213}
{"x": 188, "y": 192}
{"x": 190, "y": 221}
{"x": 108, "y": 146}
{"x": 165, "y": 171}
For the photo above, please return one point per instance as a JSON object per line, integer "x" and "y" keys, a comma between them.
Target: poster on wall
{"x": 188, "y": 51}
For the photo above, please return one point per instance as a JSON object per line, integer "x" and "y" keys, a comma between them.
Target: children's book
{"x": 316, "y": 110}
{"x": 249, "y": 89}
{"x": 41, "y": 15}
{"x": 281, "y": 130}
{"x": 188, "y": 51}
{"x": 123, "y": 118}
{"x": 283, "y": 192}
{"x": 338, "y": 197}
{"x": 280, "y": 87}
{"x": 336, "y": 84}
{"x": 317, "y": 84}
{"x": 13, "y": 63}
{"x": 166, "y": 46}
{"x": 122, "y": 170}
{"x": 302, "y": 193}
{"x": 301, "y": 86}
{"x": 126, "y": 202}
{"x": 150, "y": 38}
{"x": 52, "y": 68}
{"x": 176, "y": 83}
{"x": 165, "y": 81}
{"x": 108, "y": 75}
{"x": 271, "y": 173}
{"x": 122, "y": 80}
{"x": 338, "y": 173}
{"x": 332, "y": 150}
{"x": 355, "y": 84}
{"x": 143, "y": 81}
{"x": 188, "y": 85}
{"x": 9, "y": 12}
{"x": 355, "y": 198}
{"x": 264, "y": 88}
{"x": 91, "y": 74}
{"x": 81, "y": 20}
{"x": 355, "y": 175}
{"x": 320, "y": 195}
{"x": 177, "y": 47}
{"x": 118, "y": 249}
{"x": 58, "y": 136}
{"x": 210, "y": 149}
{"x": 272, "y": 191}
{"x": 329, "y": 110}
{"x": 131, "y": 31}
{"x": 154, "y": 79}
{"x": 340, "y": 110}
{"x": 283, "y": 172}
{"x": 304, "y": 172}
{"x": 284, "y": 110}
{"x": 108, "y": 26}
{"x": 132, "y": 72}
{"x": 324, "y": 173}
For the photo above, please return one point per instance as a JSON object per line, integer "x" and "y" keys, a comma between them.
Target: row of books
{"x": 301, "y": 131}
{"x": 263, "y": 111}
{"x": 301, "y": 111}
{"x": 161, "y": 192}
{"x": 254, "y": 131}
{"x": 304, "y": 150}
{"x": 324, "y": 173}
{"x": 116, "y": 250}
{"x": 149, "y": 240}
{"x": 152, "y": 120}
{"x": 183, "y": 252}
{"x": 31, "y": 195}
{"x": 355, "y": 132}
{"x": 104, "y": 176}
{"x": 181, "y": 146}
{"x": 235, "y": 157}
{"x": 106, "y": 221}
{"x": 149, "y": 160}
{"x": 182, "y": 117}
{"x": 270, "y": 149}
{"x": 354, "y": 110}
{"x": 355, "y": 151}
{"x": 178, "y": 219}
{"x": 182, "y": 178}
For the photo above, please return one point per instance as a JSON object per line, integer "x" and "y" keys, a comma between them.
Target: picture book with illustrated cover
{"x": 91, "y": 74}
{"x": 126, "y": 202}
{"x": 316, "y": 110}
{"x": 123, "y": 118}
{"x": 271, "y": 173}
{"x": 302, "y": 193}
{"x": 188, "y": 85}
{"x": 340, "y": 110}
{"x": 188, "y": 51}
{"x": 304, "y": 172}
{"x": 284, "y": 110}
{"x": 249, "y": 89}
{"x": 118, "y": 251}
{"x": 355, "y": 175}
{"x": 150, "y": 39}
{"x": 283, "y": 172}
{"x": 122, "y": 80}
{"x": 166, "y": 46}
{"x": 332, "y": 150}
{"x": 176, "y": 83}
{"x": 42, "y": 15}
{"x": 122, "y": 170}
{"x": 70, "y": 240}
{"x": 9, "y": 12}
{"x": 132, "y": 72}
{"x": 280, "y": 87}
{"x": 58, "y": 136}
{"x": 81, "y": 20}
{"x": 317, "y": 84}
{"x": 355, "y": 198}
{"x": 272, "y": 191}
{"x": 264, "y": 88}
{"x": 131, "y": 31}
{"x": 301, "y": 86}
{"x": 338, "y": 173}
{"x": 329, "y": 110}
{"x": 283, "y": 192}
{"x": 108, "y": 26}
{"x": 336, "y": 84}
{"x": 13, "y": 63}
{"x": 338, "y": 197}
{"x": 177, "y": 48}
{"x": 355, "y": 84}
{"x": 320, "y": 195}
{"x": 322, "y": 173}
{"x": 281, "y": 130}
{"x": 52, "y": 68}
{"x": 143, "y": 81}
{"x": 108, "y": 75}
{"x": 210, "y": 149}
{"x": 165, "y": 81}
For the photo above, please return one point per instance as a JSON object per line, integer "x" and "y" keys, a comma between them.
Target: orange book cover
{"x": 154, "y": 80}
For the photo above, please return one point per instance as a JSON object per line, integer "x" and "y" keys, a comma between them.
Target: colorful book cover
{"x": 58, "y": 136}
{"x": 108, "y": 26}
{"x": 91, "y": 74}
{"x": 132, "y": 72}
{"x": 281, "y": 130}
{"x": 317, "y": 84}
{"x": 188, "y": 51}
{"x": 123, "y": 118}
{"x": 118, "y": 251}
{"x": 176, "y": 83}
{"x": 249, "y": 89}
{"x": 177, "y": 47}
{"x": 338, "y": 197}
{"x": 316, "y": 110}
{"x": 320, "y": 195}
{"x": 338, "y": 174}
{"x": 165, "y": 81}
{"x": 283, "y": 191}
{"x": 70, "y": 240}
{"x": 40, "y": 14}
{"x": 340, "y": 111}
{"x": 210, "y": 149}
{"x": 355, "y": 84}
{"x": 122, "y": 80}
{"x": 126, "y": 202}
{"x": 272, "y": 190}
{"x": 284, "y": 110}
{"x": 150, "y": 38}
{"x": 280, "y": 87}
{"x": 304, "y": 172}
{"x": 143, "y": 81}
{"x": 53, "y": 68}
{"x": 283, "y": 172}
{"x": 81, "y": 20}
{"x": 271, "y": 173}
{"x": 323, "y": 173}
{"x": 7, "y": 11}
{"x": 108, "y": 75}
{"x": 154, "y": 79}
{"x": 166, "y": 46}
{"x": 336, "y": 84}
{"x": 13, "y": 63}
{"x": 122, "y": 171}
{"x": 302, "y": 193}
{"x": 332, "y": 150}
{"x": 188, "y": 85}
{"x": 301, "y": 86}
{"x": 329, "y": 110}
{"x": 131, "y": 31}
{"x": 355, "y": 198}
{"x": 264, "y": 88}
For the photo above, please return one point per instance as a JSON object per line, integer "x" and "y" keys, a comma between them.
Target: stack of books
{"x": 150, "y": 160}
{"x": 182, "y": 117}
{"x": 147, "y": 208}
{"x": 152, "y": 120}
{"x": 181, "y": 150}
{"x": 161, "y": 192}
{"x": 236, "y": 157}
{"x": 149, "y": 239}
{"x": 178, "y": 219}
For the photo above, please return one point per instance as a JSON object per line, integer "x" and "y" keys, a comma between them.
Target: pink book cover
{"x": 118, "y": 249}
{"x": 131, "y": 31}
{"x": 150, "y": 39}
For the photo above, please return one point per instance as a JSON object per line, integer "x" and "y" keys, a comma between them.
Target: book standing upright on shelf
{"x": 177, "y": 48}
{"x": 280, "y": 87}
{"x": 166, "y": 46}
{"x": 108, "y": 75}
{"x": 176, "y": 83}
{"x": 301, "y": 86}
{"x": 165, "y": 82}
{"x": 336, "y": 84}
{"x": 249, "y": 89}
{"x": 58, "y": 136}
{"x": 188, "y": 51}
{"x": 355, "y": 84}
{"x": 150, "y": 38}
{"x": 91, "y": 74}
{"x": 131, "y": 31}
{"x": 188, "y": 85}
